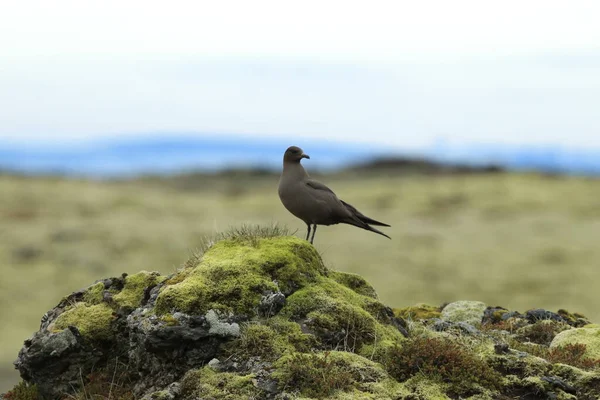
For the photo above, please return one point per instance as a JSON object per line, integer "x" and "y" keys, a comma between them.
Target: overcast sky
{"x": 403, "y": 73}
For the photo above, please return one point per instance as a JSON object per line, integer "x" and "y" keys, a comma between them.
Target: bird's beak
{"x": 305, "y": 156}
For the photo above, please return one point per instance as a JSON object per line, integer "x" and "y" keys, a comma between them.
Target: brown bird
{"x": 313, "y": 202}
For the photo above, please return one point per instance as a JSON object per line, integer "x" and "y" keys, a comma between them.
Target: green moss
{"x": 293, "y": 334}
{"x": 587, "y": 382}
{"x": 574, "y": 319}
{"x": 233, "y": 275}
{"x": 422, "y": 387}
{"x": 169, "y": 319}
{"x": 418, "y": 312}
{"x": 497, "y": 315}
{"x": 134, "y": 287}
{"x": 94, "y": 294}
{"x": 340, "y": 317}
{"x": 259, "y": 340}
{"x": 590, "y": 337}
{"x": 353, "y": 281}
{"x": 518, "y": 364}
{"x": 93, "y": 322}
{"x": 205, "y": 383}
{"x": 22, "y": 391}
{"x": 189, "y": 295}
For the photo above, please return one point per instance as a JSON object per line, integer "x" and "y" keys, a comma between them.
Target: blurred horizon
{"x": 164, "y": 154}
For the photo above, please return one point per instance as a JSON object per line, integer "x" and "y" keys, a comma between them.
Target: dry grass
{"x": 519, "y": 241}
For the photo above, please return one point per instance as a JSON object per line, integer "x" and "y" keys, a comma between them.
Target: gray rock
{"x": 271, "y": 304}
{"x": 541, "y": 314}
{"x": 161, "y": 352}
{"x": 46, "y": 353}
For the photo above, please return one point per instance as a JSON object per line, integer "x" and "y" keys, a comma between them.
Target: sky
{"x": 399, "y": 73}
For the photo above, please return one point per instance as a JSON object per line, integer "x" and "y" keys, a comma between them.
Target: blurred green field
{"x": 515, "y": 240}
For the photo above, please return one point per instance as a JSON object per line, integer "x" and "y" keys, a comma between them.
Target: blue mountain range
{"x": 165, "y": 154}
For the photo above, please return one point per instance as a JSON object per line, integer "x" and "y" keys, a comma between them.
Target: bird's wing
{"x": 318, "y": 186}
{"x": 330, "y": 205}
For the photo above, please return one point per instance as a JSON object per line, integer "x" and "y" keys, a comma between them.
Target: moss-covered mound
{"x": 258, "y": 316}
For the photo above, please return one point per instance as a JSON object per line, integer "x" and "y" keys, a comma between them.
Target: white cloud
{"x": 397, "y": 72}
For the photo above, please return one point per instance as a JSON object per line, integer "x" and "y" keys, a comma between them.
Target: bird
{"x": 313, "y": 202}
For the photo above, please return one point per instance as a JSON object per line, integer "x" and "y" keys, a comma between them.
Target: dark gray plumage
{"x": 313, "y": 202}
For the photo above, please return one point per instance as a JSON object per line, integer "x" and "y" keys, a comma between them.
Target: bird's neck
{"x": 294, "y": 169}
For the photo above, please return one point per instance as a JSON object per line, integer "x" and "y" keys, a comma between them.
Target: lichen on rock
{"x": 470, "y": 312}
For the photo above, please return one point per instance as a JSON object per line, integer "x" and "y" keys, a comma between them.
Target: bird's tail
{"x": 361, "y": 216}
{"x": 361, "y": 224}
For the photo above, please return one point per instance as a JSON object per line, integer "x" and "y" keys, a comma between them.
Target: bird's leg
{"x": 313, "y": 235}
{"x": 308, "y": 232}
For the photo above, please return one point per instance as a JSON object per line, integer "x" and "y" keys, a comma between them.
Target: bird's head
{"x": 294, "y": 154}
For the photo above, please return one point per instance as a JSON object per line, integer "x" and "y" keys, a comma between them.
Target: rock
{"x": 271, "y": 303}
{"x": 442, "y": 326}
{"x": 588, "y": 336}
{"x": 470, "y": 312}
{"x": 559, "y": 383}
{"x": 215, "y": 364}
{"x": 541, "y": 314}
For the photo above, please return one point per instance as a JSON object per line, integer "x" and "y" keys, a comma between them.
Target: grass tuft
{"x": 251, "y": 233}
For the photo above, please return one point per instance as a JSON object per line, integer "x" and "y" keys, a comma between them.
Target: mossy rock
{"x": 328, "y": 337}
{"x": 93, "y": 322}
{"x": 588, "y": 336}
{"x": 355, "y": 282}
{"x": 340, "y": 317}
{"x": 470, "y": 312}
{"x": 135, "y": 287}
{"x": 233, "y": 276}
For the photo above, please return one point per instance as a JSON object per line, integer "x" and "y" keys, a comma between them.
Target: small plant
{"x": 315, "y": 375}
{"x": 572, "y": 354}
{"x": 22, "y": 391}
{"x": 542, "y": 332}
{"x": 111, "y": 383}
{"x": 442, "y": 359}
